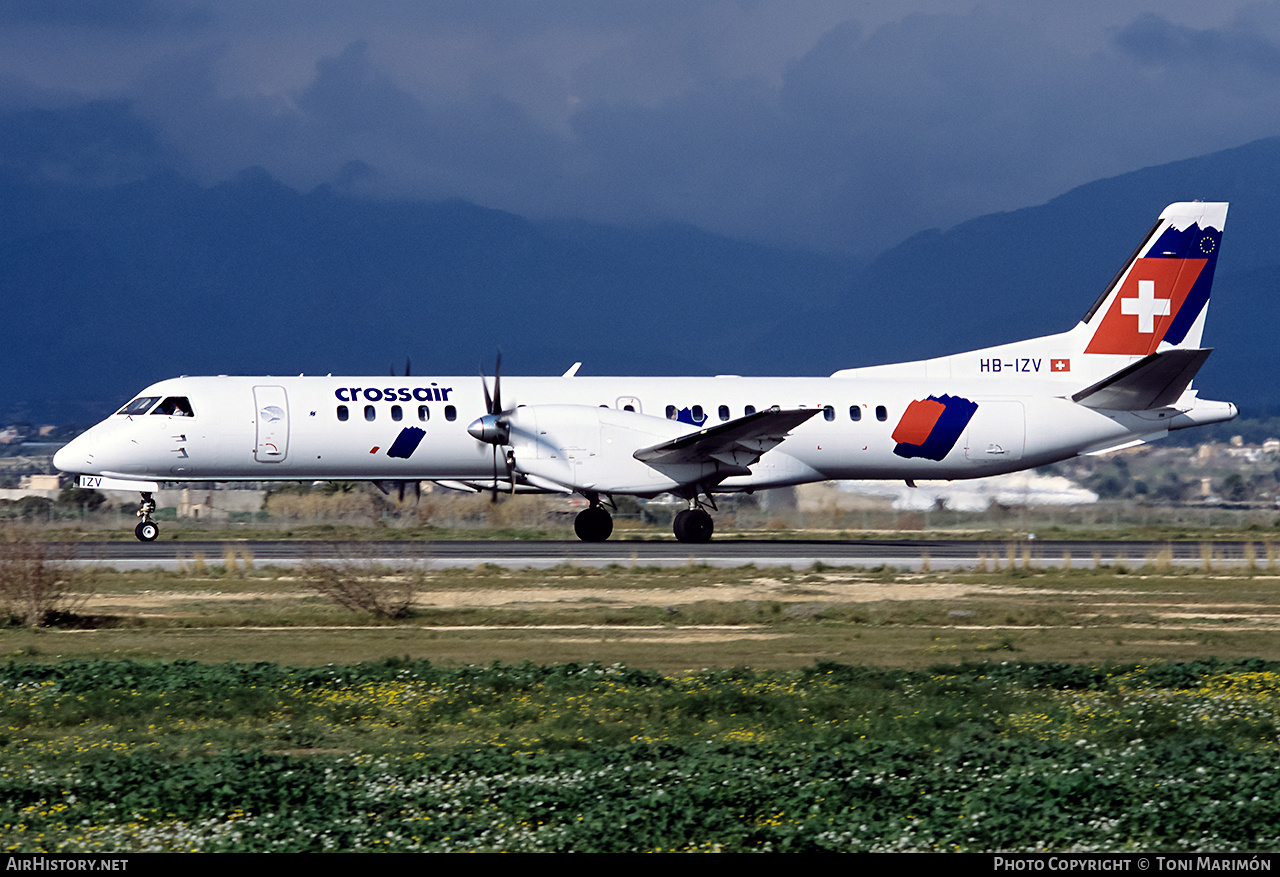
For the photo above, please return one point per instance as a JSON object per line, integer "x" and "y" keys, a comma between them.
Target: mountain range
{"x": 117, "y": 269}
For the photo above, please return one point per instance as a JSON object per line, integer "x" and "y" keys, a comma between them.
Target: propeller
{"x": 493, "y": 428}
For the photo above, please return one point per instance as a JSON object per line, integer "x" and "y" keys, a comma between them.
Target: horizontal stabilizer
{"x": 1155, "y": 381}
{"x": 737, "y": 443}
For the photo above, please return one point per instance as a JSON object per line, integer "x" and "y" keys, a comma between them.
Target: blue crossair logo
{"x": 406, "y": 442}
{"x": 432, "y": 393}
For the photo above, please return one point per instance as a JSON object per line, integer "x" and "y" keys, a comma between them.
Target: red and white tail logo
{"x": 1149, "y": 298}
{"x": 1162, "y": 293}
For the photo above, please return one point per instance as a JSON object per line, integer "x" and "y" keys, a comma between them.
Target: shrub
{"x": 361, "y": 588}
{"x": 38, "y": 582}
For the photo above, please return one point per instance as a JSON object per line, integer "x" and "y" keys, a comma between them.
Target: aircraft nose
{"x": 74, "y": 456}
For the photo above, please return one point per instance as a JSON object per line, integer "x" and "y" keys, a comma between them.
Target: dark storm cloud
{"x": 1155, "y": 41}
{"x": 841, "y": 125}
{"x": 113, "y": 15}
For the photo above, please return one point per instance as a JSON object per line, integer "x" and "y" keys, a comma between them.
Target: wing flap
{"x": 735, "y": 444}
{"x": 1155, "y": 381}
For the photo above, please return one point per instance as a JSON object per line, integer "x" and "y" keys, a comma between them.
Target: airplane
{"x": 1120, "y": 377}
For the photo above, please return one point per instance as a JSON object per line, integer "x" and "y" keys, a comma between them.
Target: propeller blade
{"x": 497, "y": 385}
{"x": 488, "y": 400}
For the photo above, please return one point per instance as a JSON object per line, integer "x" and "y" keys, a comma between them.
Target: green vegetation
{"x": 231, "y": 707}
{"x": 407, "y": 755}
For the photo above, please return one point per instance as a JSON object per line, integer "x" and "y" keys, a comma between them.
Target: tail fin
{"x": 1162, "y": 293}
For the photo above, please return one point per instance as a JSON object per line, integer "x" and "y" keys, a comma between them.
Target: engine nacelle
{"x": 591, "y": 449}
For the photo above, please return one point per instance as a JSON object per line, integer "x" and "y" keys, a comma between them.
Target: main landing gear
{"x": 693, "y": 525}
{"x": 147, "y": 529}
{"x": 594, "y": 523}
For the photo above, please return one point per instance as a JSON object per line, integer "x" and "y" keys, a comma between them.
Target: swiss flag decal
{"x": 1148, "y": 301}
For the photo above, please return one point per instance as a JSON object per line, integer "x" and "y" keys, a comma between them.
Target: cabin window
{"x": 828, "y": 412}
{"x": 882, "y": 413}
{"x": 424, "y": 413}
{"x": 855, "y": 412}
{"x": 174, "y": 406}
{"x": 628, "y": 407}
{"x": 723, "y": 411}
{"x": 397, "y": 413}
{"x": 671, "y": 412}
{"x": 450, "y": 413}
{"x": 342, "y": 413}
{"x": 749, "y": 410}
{"x": 140, "y": 405}
{"x": 370, "y": 412}
{"x": 698, "y": 415}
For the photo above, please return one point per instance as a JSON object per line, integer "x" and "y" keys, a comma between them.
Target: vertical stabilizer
{"x": 1162, "y": 293}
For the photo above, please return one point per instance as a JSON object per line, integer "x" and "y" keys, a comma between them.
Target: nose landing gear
{"x": 147, "y": 529}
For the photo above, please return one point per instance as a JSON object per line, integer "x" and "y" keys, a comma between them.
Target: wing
{"x": 735, "y": 444}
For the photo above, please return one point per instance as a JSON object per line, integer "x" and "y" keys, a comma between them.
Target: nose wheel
{"x": 147, "y": 529}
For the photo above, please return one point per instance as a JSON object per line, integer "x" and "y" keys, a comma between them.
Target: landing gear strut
{"x": 693, "y": 525}
{"x": 147, "y": 529}
{"x": 594, "y": 523}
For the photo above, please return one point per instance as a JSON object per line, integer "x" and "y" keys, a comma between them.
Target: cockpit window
{"x": 141, "y": 405}
{"x": 174, "y": 406}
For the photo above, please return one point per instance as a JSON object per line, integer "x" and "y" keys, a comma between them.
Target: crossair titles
{"x": 432, "y": 393}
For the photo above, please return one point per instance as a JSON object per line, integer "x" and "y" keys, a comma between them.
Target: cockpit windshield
{"x": 141, "y": 405}
{"x": 174, "y": 406}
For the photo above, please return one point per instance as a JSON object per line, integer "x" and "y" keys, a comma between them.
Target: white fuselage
{"x": 336, "y": 428}
{"x": 1122, "y": 376}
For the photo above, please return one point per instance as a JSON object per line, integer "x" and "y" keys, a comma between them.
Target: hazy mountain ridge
{"x": 1036, "y": 271}
{"x": 119, "y": 271}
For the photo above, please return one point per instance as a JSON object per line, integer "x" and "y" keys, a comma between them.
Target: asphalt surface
{"x": 909, "y": 554}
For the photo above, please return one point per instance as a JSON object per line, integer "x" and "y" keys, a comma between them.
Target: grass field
{"x": 228, "y": 707}
{"x": 407, "y": 756}
{"x": 676, "y": 619}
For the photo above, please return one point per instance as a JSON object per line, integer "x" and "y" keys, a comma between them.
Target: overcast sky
{"x": 840, "y": 126}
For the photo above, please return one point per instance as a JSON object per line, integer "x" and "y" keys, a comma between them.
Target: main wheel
{"x": 693, "y": 525}
{"x": 593, "y": 524}
{"x": 146, "y": 531}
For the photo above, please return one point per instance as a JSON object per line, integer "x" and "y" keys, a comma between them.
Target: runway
{"x": 899, "y": 554}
